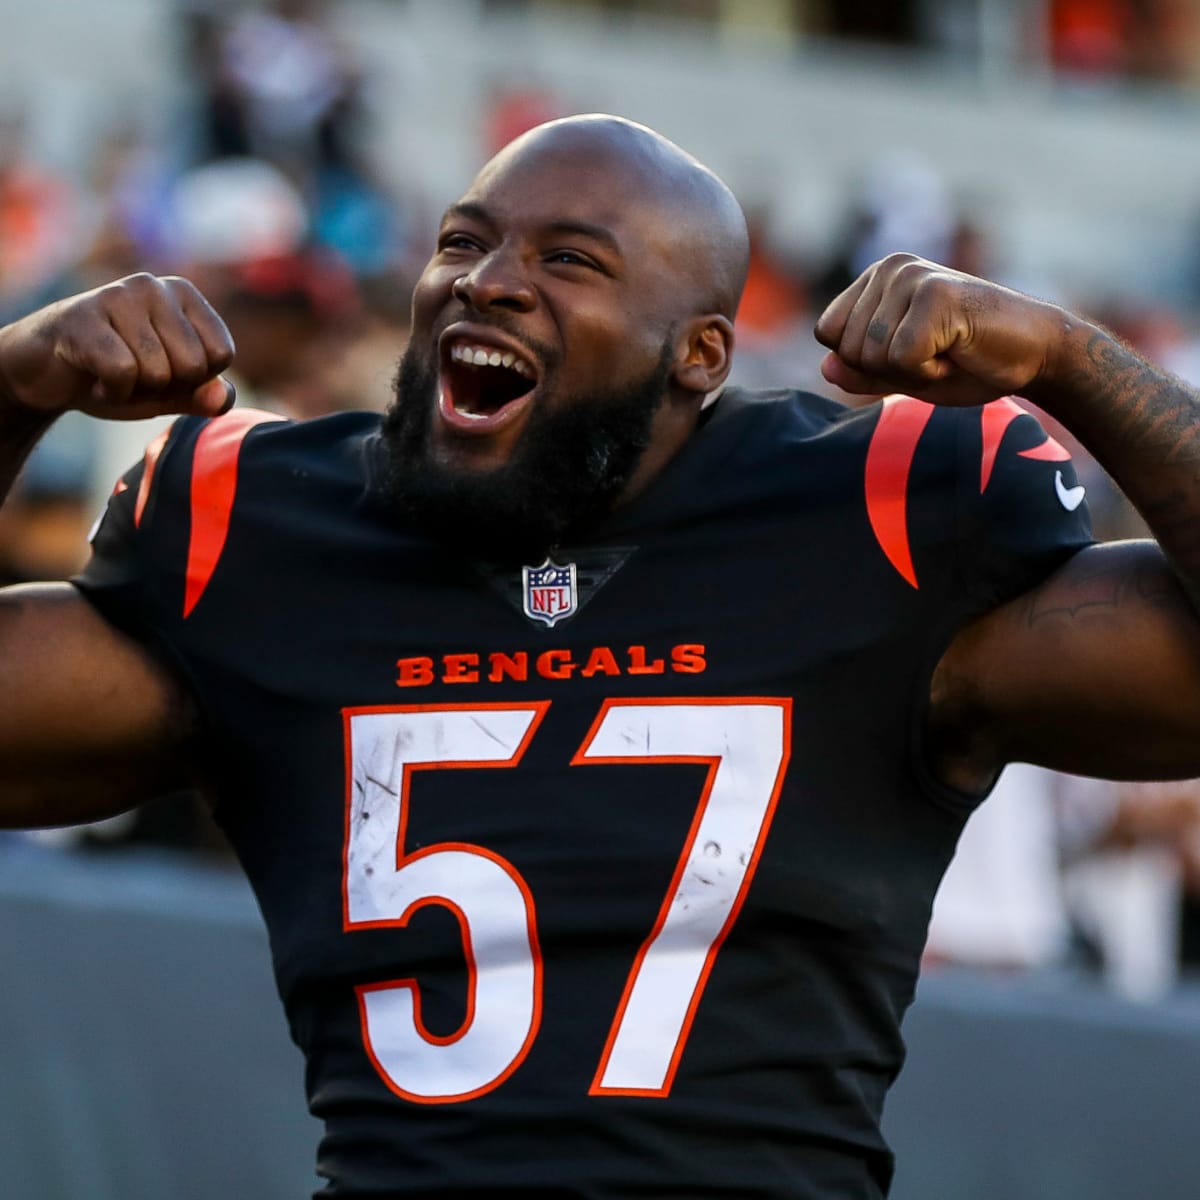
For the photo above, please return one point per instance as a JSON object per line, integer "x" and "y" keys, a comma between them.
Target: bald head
{"x": 576, "y": 312}
{"x": 700, "y": 225}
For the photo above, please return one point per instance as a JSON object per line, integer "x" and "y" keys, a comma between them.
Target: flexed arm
{"x": 1098, "y": 669}
{"x": 90, "y": 722}
{"x": 909, "y": 325}
{"x": 137, "y": 348}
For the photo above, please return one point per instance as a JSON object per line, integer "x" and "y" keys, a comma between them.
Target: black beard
{"x": 566, "y": 471}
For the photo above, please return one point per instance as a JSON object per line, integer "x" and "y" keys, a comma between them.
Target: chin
{"x": 472, "y": 455}
{"x": 514, "y": 489}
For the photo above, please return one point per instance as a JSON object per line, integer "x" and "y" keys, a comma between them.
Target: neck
{"x": 673, "y": 425}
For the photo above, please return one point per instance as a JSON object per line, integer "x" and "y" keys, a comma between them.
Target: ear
{"x": 703, "y": 353}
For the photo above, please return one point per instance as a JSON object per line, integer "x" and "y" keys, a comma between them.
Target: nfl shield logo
{"x": 550, "y": 592}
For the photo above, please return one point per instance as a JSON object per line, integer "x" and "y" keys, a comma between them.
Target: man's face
{"x": 541, "y": 350}
{"x": 568, "y": 469}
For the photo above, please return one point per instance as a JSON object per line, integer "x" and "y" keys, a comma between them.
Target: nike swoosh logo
{"x": 1069, "y": 498}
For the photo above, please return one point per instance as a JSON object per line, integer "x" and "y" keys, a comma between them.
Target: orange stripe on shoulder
{"x": 214, "y": 485}
{"x": 995, "y": 419}
{"x": 1048, "y": 451}
{"x": 902, "y": 420}
{"x": 153, "y": 452}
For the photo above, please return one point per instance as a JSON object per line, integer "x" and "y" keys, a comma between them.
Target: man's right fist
{"x": 140, "y": 347}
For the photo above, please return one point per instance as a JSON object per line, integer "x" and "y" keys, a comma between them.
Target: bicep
{"x": 1096, "y": 671}
{"x": 90, "y": 722}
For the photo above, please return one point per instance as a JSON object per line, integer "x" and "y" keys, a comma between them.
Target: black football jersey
{"x": 607, "y": 876}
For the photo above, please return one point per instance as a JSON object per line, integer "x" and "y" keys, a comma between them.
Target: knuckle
{"x": 900, "y": 352}
{"x": 182, "y": 288}
{"x": 901, "y": 263}
{"x": 191, "y": 372}
{"x": 155, "y": 377}
{"x": 931, "y": 292}
{"x": 116, "y": 296}
{"x": 141, "y": 283}
{"x": 220, "y": 350}
{"x": 122, "y": 373}
{"x": 915, "y": 271}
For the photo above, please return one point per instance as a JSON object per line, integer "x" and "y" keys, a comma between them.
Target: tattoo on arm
{"x": 1143, "y": 426}
{"x": 1102, "y": 586}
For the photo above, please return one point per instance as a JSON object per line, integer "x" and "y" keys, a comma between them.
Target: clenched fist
{"x": 908, "y": 325}
{"x": 140, "y": 347}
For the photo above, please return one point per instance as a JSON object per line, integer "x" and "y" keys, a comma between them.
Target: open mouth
{"x": 481, "y": 383}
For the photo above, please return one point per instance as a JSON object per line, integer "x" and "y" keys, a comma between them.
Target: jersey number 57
{"x": 744, "y": 741}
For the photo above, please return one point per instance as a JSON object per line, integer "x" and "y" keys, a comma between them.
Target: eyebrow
{"x": 597, "y": 233}
{"x": 469, "y": 210}
{"x": 472, "y": 211}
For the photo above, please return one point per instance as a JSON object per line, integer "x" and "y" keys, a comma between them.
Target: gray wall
{"x": 144, "y": 1056}
{"x": 143, "y": 1049}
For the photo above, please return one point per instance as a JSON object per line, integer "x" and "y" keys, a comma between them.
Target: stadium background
{"x": 294, "y": 162}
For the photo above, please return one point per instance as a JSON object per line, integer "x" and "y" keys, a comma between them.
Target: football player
{"x": 594, "y": 735}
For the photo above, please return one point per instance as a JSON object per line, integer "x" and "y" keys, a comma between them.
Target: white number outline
{"x": 757, "y": 810}
{"x": 536, "y": 711}
{"x": 629, "y": 1039}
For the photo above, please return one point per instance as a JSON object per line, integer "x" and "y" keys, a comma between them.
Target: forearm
{"x": 20, "y": 430}
{"x": 1142, "y": 425}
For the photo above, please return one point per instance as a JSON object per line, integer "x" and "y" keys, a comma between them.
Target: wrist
{"x": 1073, "y": 364}
{"x": 27, "y": 356}
{"x": 21, "y": 422}
{"x": 16, "y": 415}
{"x": 10, "y": 407}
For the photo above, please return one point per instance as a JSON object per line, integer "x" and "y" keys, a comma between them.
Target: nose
{"x": 498, "y": 280}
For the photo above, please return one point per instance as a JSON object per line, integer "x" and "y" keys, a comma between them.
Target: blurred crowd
{"x": 1100, "y": 41}
{"x": 277, "y": 211}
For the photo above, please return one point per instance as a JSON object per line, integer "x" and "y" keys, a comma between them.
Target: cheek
{"x": 617, "y": 343}
{"x": 429, "y": 296}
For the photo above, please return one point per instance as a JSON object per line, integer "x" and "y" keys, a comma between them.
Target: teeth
{"x": 477, "y": 356}
{"x": 470, "y": 416}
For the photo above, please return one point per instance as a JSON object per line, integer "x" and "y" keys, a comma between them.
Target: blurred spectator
{"x": 275, "y": 84}
{"x": 1000, "y": 904}
{"x": 126, "y": 210}
{"x": 287, "y": 314}
{"x": 279, "y": 94}
{"x": 1051, "y": 865}
{"x": 38, "y": 216}
{"x": 1132, "y": 876}
{"x": 1091, "y": 37}
{"x": 235, "y": 210}
{"x": 901, "y": 204}
{"x": 893, "y": 22}
{"x": 43, "y": 525}
{"x": 357, "y": 219}
{"x": 774, "y": 301}
{"x": 242, "y": 233}
{"x": 514, "y": 110}
{"x": 1111, "y": 39}
{"x": 353, "y": 365}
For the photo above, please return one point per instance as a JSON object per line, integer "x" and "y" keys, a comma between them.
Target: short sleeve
{"x": 1022, "y": 511}
{"x": 117, "y": 578}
